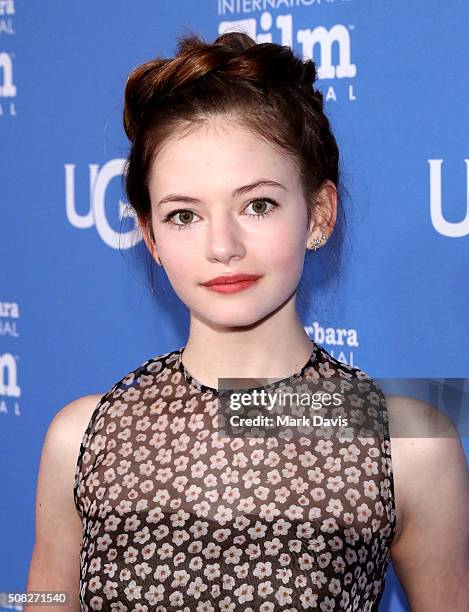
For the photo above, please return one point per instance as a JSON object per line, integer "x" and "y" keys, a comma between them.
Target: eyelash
{"x": 179, "y": 226}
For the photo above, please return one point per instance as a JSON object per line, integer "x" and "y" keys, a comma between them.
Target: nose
{"x": 224, "y": 240}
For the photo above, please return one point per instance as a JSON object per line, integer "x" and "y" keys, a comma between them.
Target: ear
{"x": 148, "y": 237}
{"x": 324, "y": 213}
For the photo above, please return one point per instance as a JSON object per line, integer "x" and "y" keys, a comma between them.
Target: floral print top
{"x": 177, "y": 517}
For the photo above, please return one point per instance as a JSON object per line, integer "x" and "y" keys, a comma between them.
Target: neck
{"x": 274, "y": 347}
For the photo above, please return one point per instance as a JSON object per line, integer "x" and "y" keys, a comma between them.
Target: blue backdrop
{"x": 75, "y": 310}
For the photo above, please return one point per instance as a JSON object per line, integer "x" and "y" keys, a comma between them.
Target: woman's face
{"x": 210, "y": 227}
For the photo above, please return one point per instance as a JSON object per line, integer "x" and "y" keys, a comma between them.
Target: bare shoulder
{"x": 413, "y": 418}
{"x": 66, "y": 431}
{"x": 420, "y": 435}
{"x": 61, "y": 449}
{"x": 70, "y": 422}
{"x": 55, "y": 560}
{"x": 431, "y": 483}
{"x": 63, "y": 437}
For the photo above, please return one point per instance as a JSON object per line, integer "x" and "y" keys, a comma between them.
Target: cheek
{"x": 174, "y": 245}
{"x": 286, "y": 251}
{"x": 178, "y": 262}
{"x": 180, "y": 254}
{"x": 286, "y": 261}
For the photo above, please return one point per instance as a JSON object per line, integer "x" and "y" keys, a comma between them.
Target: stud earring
{"x": 316, "y": 242}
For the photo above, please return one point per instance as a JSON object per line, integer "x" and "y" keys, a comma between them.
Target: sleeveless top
{"x": 176, "y": 517}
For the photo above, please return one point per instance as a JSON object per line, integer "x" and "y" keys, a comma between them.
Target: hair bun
{"x": 238, "y": 41}
{"x": 233, "y": 55}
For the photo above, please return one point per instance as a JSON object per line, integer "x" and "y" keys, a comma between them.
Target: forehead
{"x": 219, "y": 154}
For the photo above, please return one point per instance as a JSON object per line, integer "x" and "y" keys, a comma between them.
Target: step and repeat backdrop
{"x": 77, "y": 310}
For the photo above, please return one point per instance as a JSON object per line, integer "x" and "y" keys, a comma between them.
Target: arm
{"x": 55, "y": 560}
{"x": 431, "y": 554}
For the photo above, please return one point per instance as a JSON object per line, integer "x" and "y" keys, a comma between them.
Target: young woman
{"x": 233, "y": 174}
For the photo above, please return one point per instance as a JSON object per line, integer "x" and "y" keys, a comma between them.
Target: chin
{"x": 232, "y": 315}
{"x": 229, "y": 318}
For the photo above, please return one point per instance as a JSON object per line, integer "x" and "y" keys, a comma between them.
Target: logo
{"x": 315, "y": 43}
{"x": 335, "y": 337}
{"x": 8, "y": 376}
{"x": 9, "y": 389}
{"x": 7, "y": 87}
{"x": 99, "y": 180}
{"x": 452, "y": 229}
{"x": 8, "y": 311}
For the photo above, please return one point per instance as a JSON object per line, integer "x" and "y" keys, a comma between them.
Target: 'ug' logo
{"x": 99, "y": 180}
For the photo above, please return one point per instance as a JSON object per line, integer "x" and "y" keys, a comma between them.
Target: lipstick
{"x": 231, "y": 283}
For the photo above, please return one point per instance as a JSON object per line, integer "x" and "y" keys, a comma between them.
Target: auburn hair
{"x": 266, "y": 86}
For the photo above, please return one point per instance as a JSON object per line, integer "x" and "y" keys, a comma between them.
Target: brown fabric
{"x": 177, "y": 518}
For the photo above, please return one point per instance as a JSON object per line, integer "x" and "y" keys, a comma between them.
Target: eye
{"x": 259, "y": 207}
{"x": 185, "y": 215}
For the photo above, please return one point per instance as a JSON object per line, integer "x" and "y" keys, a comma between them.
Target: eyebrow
{"x": 175, "y": 197}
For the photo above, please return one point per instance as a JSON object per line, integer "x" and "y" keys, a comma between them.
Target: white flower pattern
{"x": 176, "y": 517}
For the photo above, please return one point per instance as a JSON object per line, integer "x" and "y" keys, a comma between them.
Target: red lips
{"x": 228, "y": 279}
